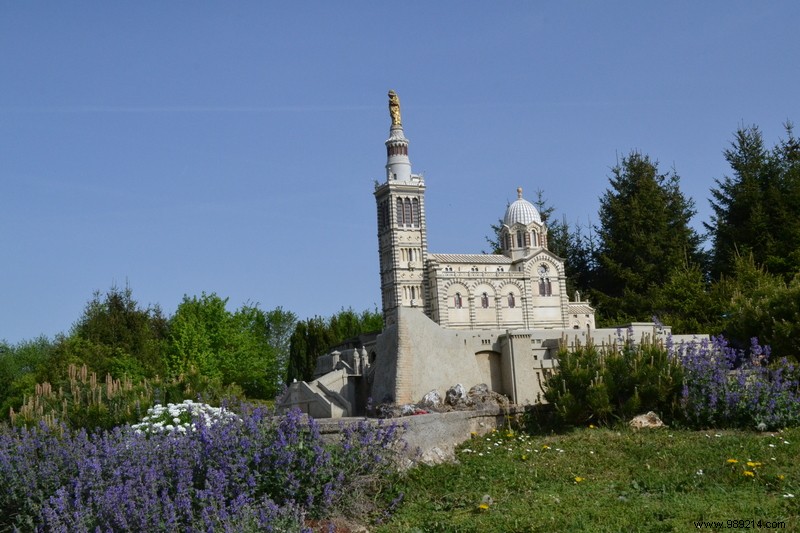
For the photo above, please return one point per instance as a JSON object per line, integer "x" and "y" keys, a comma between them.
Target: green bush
{"x": 83, "y": 401}
{"x": 604, "y": 384}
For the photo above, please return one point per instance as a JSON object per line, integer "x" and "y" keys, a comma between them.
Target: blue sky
{"x": 182, "y": 147}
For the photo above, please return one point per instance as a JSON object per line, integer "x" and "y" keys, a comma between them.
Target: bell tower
{"x": 402, "y": 235}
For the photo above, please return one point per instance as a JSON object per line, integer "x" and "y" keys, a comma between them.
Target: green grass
{"x": 606, "y": 480}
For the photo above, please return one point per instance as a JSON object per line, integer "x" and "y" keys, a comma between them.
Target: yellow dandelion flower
{"x": 545, "y": 447}
{"x": 781, "y": 477}
{"x": 749, "y": 473}
{"x": 483, "y": 507}
{"x": 578, "y": 479}
{"x": 524, "y": 457}
{"x": 732, "y": 461}
{"x": 510, "y": 434}
{"x": 752, "y": 464}
{"x": 591, "y": 426}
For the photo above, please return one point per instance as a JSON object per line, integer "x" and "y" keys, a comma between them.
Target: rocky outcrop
{"x": 457, "y": 398}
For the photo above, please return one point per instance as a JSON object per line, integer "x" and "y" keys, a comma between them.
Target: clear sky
{"x": 231, "y": 147}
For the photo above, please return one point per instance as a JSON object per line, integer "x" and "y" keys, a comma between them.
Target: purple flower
{"x": 259, "y": 472}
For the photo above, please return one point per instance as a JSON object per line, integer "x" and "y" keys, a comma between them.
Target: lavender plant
{"x": 701, "y": 383}
{"x": 256, "y": 472}
{"x": 726, "y": 387}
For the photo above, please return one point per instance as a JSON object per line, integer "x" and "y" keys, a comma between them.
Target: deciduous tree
{"x": 233, "y": 347}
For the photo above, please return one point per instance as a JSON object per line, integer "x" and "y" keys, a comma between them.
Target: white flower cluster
{"x": 181, "y": 417}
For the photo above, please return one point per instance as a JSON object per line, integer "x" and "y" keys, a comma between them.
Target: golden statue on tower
{"x": 394, "y": 109}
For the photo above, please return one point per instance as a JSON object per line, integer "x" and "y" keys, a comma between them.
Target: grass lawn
{"x": 608, "y": 480}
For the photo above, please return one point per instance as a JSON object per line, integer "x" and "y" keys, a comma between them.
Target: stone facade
{"x": 497, "y": 319}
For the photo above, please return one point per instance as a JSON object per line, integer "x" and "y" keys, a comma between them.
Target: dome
{"x": 521, "y": 212}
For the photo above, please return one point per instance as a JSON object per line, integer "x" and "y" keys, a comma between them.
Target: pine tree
{"x": 644, "y": 234}
{"x": 315, "y": 336}
{"x": 757, "y": 208}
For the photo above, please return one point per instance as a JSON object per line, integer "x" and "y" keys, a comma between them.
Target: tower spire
{"x": 398, "y": 166}
{"x": 402, "y": 237}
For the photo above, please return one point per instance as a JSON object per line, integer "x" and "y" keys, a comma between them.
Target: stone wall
{"x": 432, "y": 438}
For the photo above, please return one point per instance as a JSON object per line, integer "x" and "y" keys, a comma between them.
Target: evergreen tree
{"x": 495, "y": 242}
{"x": 116, "y": 335}
{"x": 280, "y": 326}
{"x": 311, "y": 338}
{"x": 688, "y": 302}
{"x": 758, "y": 304}
{"x": 315, "y": 336}
{"x": 644, "y": 234}
{"x": 757, "y": 209}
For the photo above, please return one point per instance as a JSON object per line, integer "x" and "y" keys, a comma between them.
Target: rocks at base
{"x": 388, "y": 410}
{"x": 480, "y": 397}
{"x": 647, "y": 420}
{"x": 407, "y": 409}
{"x": 432, "y": 400}
{"x": 456, "y": 395}
{"x": 457, "y": 398}
{"x": 480, "y": 388}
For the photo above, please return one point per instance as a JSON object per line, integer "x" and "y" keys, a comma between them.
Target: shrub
{"x": 603, "y": 384}
{"x": 181, "y": 417}
{"x": 83, "y": 401}
{"x": 258, "y": 472}
{"x": 698, "y": 384}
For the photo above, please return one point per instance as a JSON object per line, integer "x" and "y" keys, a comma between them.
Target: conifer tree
{"x": 757, "y": 208}
{"x": 644, "y": 234}
{"x": 316, "y": 336}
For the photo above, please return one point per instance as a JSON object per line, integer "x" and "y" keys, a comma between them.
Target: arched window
{"x": 534, "y": 238}
{"x": 457, "y": 301}
{"x": 545, "y": 289}
{"x": 519, "y": 239}
{"x": 511, "y": 301}
{"x": 408, "y": 220}
{"x": 399, "y": 211}
{"x": 415, "y": 211}
{"x": 485, "y": 300}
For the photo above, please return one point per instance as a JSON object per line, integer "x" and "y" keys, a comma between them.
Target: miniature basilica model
{"x": 452, "y": 318}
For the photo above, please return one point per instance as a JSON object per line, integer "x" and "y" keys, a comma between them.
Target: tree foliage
{"x": 756, "y": 210}
{"x": 757, "y": 303}
{"x": 20, "y": 365}
{"x": 315, "y": 336}
{"x": 687, "y": 302}
{"x": 203, "y": 349}
{"x": 644, "y": 234}
{"x": 231, "y": 346}
{"x": 605, "y": 384}
{"x": 114, "y": 335}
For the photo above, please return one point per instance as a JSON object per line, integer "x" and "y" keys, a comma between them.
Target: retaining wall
{"x": 432, "y": 438}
